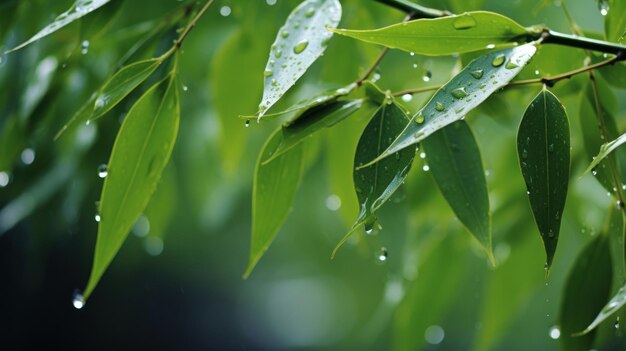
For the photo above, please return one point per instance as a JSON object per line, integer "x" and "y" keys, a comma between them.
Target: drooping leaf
{"x": 615, "y": 21}
{"x": 140, "y": 153}
{"x": 605, "y": 150}
{"x": 311, "y": 121}
{"x": 543, "y": 146}
{"x": 473, "y": 85}
{"x": 587, "y": 289}
{"x": 376, "y": 184}
{"x": 471, "y": 31}
{"x": 456, "y": 165}
{"x": 300, "y": 41}
{"x": 615, "y": 232}
{"x": 79, "y": 9}
{"x": 274, "y": 189}
{"x": 121, "y": 84}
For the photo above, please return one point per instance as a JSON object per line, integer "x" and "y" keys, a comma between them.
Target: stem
{"x": 549, "y": 81}
{"x": 192, "y": 24}
{"x": 366, "y": 75}
{"x": 418, "y": 10}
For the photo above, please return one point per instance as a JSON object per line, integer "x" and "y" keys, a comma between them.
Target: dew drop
{"x": 268, "y": 73}
{"x": 465, "y": 21}
{"x": 439, "y": 107}
{"x": 407, "y": 97}
{"x": 78, "y": 301}
{"x": 225, "y": 11}
{"x": 426, "y": 168}
{"x": 247, "y": 124}
{"x": 524, "y": 153}
{"x": 594, "y": 171}
{"x": 270, "y": 2}
{"x": 301, "y": 46}
{"x": 498, "y": 60}
{"x": 427, "y": 76}
{"x": 478, "y": 73}
{"x": 603, "y": 6}
{"x": 510, "y": 65}
{"x": 419, "y": 118}
{"x": 310, "y": 13}
{"x": 382, "y": 254}
{"x": 84, "y": 47}
{"x": 102, "y": 170}
{"x": 459, "y": 93}
{"x": 284, "y": 34}
{"x": 278, "y": 53}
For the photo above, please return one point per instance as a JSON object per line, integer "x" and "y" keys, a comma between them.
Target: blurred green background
{"x": 177, "y": 282}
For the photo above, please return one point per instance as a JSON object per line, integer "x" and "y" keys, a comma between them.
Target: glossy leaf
{"x": 586, "y": 290}
{"x": 473, "y": 85}
{"x": 456, "y": 165}
{"x": 311, "y": 121}
{"x": 376, "y": 184}
{"x": 615, "y": 20}
{"x": 543, "y": 146}
{"x": 140, "y": 153}
{"x": 471, "y": 31}
{"x": 300, "y": 41}
{"x": 79, "y": 9}
{"x": 121, "y": 84}
{"x": 605, "y": 150}
{"x": 274, "y": 189}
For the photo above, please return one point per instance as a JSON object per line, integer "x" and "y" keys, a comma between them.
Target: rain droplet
{"x": 270, "y": 2}
{"x": 185, "y": 88}
{"x": 102, "y": 170}
{"x": 419, "y": 118}
{"x": 524, "y": 153}
{"x": 434, "y": 335}
{"x": 510, "y": 65}
{"x": 300, "y": 46}
{"x": 247, "y": 124}
{"x": 439, "y": 107}
{"x": 284, "y": 34}
{"x": 268, "y": 73}
{"x": 498, "y": 60}
{"x": 426, "y": 168}
{"x": 491, "y": 46}
{"x": 225, "y": 11}
{"x": 603, "y": 6}
{"x": 310, "y": 13}
{"x": 4, "y": 179}
{"x": 407, "y": 97}
{"x": 555, "y": 333}
{"x": 78, "y": 301}
{"x": 84, "y": 47}
{"x": 459, "y": 93}
{"x": 478, "y": 73}
{"x": 551, "y": 148}
{"x": 382, "y": 254}
{"x": 278, "y": 53}
{"x": 412, "y": 53}
{"x": 594, "y": 171}
{"x": 27, "y": 156}
{"x": 465, "y": 21}
{"x": 427, "y": 76}
{"x": 616, "y": 325}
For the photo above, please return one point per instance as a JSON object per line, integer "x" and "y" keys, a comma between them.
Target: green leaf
{"x": 471, "y": 31}
{"x": 376, "y": 184}
{"x": 543, "y": 146}
{"x": 274, "y": 189}
{"x": 456, "y": 165}
{"x": 311, "y": 121}
{"x": 586, "y": 290}
{"x": 121, "y": 84}
{"x": 79, "y": 9}
{"x": 473, "y": 85}
{"x": 300, "y": 41}
{"x": 605, "y": 150}
{"x": 140, "y": 153}
{"x": 615, "y": 20}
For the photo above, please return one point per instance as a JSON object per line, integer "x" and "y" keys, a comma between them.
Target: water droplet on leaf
{"x": 478, "y": 73}
{"x": 419, "y": 118}
{"x": 498, "y": 60}
{"x": 382, "y": 254}
{"x": 459, "y": 93}
{"x": 439, "y": 107}
{"x": 465, "y": 21}
{"x": 300, "y": 46}
{"x": 102, "y": 170}
{"x": 427, "y": 76}
{"x": 78, "y": 301}
{"x": 225, "y": 11}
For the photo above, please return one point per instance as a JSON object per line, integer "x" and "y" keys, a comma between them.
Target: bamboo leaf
{"x": 311, "y": 121}
{"x": 274, "y": 189}
{"x": 543, "y": 146}
{"x": 79, "y": 9}
{"x": 376, "y": 184}
{"x": 300, "y": 41}
{"x": 587, "y": 289}
{"x": 605, "y": 150}
{"x": 456, "y": 165}
{"x": 473, "y": 85}
{"x": 140, "y": 153}
{"x": 471, "y": 31}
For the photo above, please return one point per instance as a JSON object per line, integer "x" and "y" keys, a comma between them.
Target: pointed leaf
{"x": 605, "y": 150}
{"x": 140, "y": 153}
{"x": 313, "y": 120}
{"x": 79, "y": 9}
{"x": 121, "y": 84}
{"x": 274, "y": 189}
{"x": 471, "y": 31}
{"x": 456, "y": 165}
{"x": 543, "y": 146}
{"x": 376, "y": 184}
{"x": 615, "y": 20}
{"x": 587, "y": 289}
{"x": 298, "y": 44}
{"x": 473, "y": 85}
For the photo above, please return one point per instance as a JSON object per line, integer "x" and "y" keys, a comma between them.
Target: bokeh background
{"x": 177, "y": 281}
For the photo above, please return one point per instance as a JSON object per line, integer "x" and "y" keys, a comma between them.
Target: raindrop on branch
{"x": 78, "y": 301}
{"x": 102, "y": 171}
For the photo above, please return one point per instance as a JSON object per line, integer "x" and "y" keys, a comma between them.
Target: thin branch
{"x": 366, "y": 75}
{"x": 418, "y": 10}
{"x": 549, "y": 81}
{"x": 192, "y": 24}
